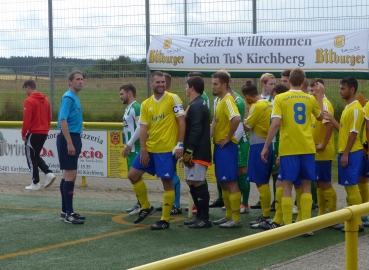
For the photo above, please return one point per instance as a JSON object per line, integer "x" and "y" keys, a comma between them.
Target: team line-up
{"x": 285, "y": 132}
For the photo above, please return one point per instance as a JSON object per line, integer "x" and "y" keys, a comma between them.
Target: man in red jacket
{"x": 36, "y": 126}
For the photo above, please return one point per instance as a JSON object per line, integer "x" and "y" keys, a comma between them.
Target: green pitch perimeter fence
{"x": 108, "y": 41}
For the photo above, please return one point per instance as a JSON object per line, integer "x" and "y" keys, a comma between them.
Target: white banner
{"x": 92, "y": 160}
{"x": 337, "y": 52}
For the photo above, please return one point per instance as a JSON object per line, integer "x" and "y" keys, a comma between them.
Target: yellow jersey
{"x": 258, "y": 119}
{"x": 160, "y": 118}
{"x": 295, "y": 107}
{"x": 352, "y": 119}
{"x": 366, "y": 116}
{"x": 225, "y": 110}
{"x": 319, "y": 130}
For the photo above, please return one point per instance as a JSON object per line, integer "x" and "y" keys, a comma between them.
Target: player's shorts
{"x": 364, "y": 169}
{"x": 296, "y": 183}
{"x": 243, "y": 153}
{"x": 323, "y": 170}
{"x": 275, "y": 146}
{"x": 68, "y": 162}
{"x": 161, "y": 164}
{"x": 226, "y": 163}
{"x": 196, "y": 173}
{"x": 258, "y": 171}
{"x": 349, "y": 175}
{"x": 295, "y": 166}
{"x": 130, "y": 159}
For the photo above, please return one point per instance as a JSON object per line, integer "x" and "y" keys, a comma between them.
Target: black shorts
{"x": 66, "y": 161}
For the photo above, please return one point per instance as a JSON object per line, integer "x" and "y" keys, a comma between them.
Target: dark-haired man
{"x": 197, "y": 154}
{"x": 131, "y": 128}
{"x": 36, "y": 126}
{"x": 162, "y": 128}
{"x": 226, "y": 121}
{"x": 350, "y": 149}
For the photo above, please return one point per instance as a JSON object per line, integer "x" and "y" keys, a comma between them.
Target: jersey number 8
{"x": 300, "y": 113}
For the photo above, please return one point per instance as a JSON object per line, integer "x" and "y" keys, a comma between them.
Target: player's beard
{"x": 159, "y": 90}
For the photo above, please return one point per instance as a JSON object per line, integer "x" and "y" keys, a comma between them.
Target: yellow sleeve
{"x": 253, "y": 117}
{"x": 316, "y": 109}
{"x": 277, "y": 110}
{"x": 327, "y": 106}
{"x": 356, "y": 125}
{"x": 366, "y": 111}
{"x": 144, "y": 116}
{"x": 231, "y": 110}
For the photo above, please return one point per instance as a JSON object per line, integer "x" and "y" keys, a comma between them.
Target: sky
{"x": 95, "y": 29}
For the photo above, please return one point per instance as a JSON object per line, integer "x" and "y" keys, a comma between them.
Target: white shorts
{"x": 196, "y": 173}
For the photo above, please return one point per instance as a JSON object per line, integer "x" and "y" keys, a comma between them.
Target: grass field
{"x": 33, "y": 237}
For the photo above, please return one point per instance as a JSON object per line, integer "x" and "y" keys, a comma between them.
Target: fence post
{"x": 351, "y": 243}
{"x": 84, "y": 181}
{"x": 147, "y": 16}
{"x": 51, "y": 54}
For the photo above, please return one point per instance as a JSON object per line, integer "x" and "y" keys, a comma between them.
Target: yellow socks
{"x": 364, "y": 192}
{"x": 321, "y": 201}
{"x": 168, "y": 200}
{"x": 298, "y": 197}
{"x": 353, "y": 195}
{"x": 265, "y": 197}
{"x": 141, "y": 192}
{"x": 278, "y": 218}
{"x": 330, "y": 196}
{"x": 235, "y": 201}
{"x": 306, "y": 202}
{"x": 227, "y": 203}
{"x": 287, "y": 204}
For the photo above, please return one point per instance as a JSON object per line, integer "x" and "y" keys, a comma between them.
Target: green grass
{"x": 32, "y": 222}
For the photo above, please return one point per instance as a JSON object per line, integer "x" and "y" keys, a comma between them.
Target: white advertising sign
{"x": 341, "y": 52}
{"x": 92, "y": 160}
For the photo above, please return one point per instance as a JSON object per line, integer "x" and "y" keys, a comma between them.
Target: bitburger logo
{"x": 167, "y": 43}
{"x": 339, "y": 41}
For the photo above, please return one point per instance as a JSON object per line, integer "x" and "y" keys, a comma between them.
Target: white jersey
{"x": 130, "y": 123}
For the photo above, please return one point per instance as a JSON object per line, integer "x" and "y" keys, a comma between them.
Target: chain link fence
{"x": 107, "y": 41}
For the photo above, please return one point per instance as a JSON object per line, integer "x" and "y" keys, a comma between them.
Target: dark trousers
{"x": 34, "y": 145}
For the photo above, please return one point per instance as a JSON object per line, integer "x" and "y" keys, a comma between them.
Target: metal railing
{"x": 350, "y": 215}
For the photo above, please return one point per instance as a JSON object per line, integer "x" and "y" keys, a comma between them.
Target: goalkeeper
{"x": 197, "y": 155}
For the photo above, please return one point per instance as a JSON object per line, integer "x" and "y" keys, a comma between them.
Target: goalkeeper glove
{"x": 187, "y": 159}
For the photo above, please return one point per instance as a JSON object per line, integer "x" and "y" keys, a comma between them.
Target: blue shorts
{"x": 364, "y": 169}
{"x": 161, "y": 164}
{"x": 296, "y": 183}
{"x": 295, "y": 166}
{"x": 226, "y": 162}
{"x": 323, "y": 170}
{"x": 259, "y": 172}
{"x": 349, "y": 175}
{"x": 67, "y": 162}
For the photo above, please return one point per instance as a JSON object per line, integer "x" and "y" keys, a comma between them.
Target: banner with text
{"x": 92, "y": 160}
{"x": 313, "y": 52}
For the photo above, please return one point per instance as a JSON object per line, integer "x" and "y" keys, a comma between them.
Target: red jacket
{"x": 36, "y": 115}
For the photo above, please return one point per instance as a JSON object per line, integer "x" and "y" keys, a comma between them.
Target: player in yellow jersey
{"x": 226, "y": 121}
{"x": 258, "y": 123}
{"x": 291, "y": 113}
{"x": 350, "y": 149}
{"x": 324, "y": 142}
{"x": 162, "y": 128}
